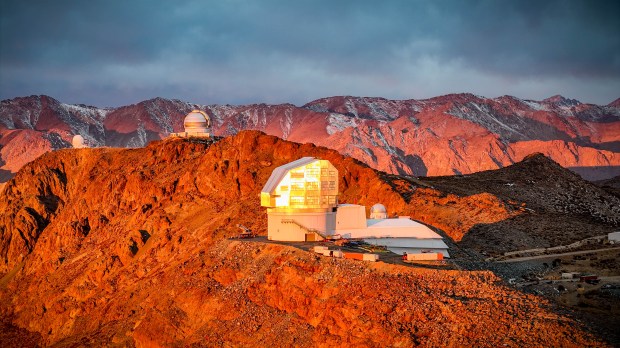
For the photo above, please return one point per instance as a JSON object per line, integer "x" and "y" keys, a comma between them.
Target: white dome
{"x": 196, "y": 122}
{"x": 78, "y": 142}
{"x": 378, "y": 211}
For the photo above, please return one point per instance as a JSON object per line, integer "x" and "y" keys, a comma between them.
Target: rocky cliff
{"x": 452, "y": 134}
{"x": 129, "y": 247}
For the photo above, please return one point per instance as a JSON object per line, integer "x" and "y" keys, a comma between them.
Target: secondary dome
{"x": 78, "y": 142}
{"x": 196, "y": 122}
{"x": 378, "y": 211}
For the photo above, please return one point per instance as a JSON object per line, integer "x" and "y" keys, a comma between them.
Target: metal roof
{"x": 279, "y": 173}
{"x": 408, "y": 242}
{"x": 390, "y": 228}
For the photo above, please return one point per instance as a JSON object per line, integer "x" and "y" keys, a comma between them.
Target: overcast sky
{"x": 111, "y": 53}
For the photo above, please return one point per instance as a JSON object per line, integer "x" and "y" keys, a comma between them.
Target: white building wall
{"x": 350, "y": 216}
{"x": 400, "y": 251}
{"x": 279, "y": 227}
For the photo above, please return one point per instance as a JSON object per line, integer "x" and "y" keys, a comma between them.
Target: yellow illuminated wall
{"x": 312, "y": 185}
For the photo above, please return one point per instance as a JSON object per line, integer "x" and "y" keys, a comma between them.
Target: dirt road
{"x": 549, "y": 256}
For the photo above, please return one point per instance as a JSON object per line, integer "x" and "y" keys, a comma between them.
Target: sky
{"x": 113, "y": 52}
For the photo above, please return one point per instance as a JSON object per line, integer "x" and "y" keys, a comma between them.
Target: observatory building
{"x": 78, "y": 142}
{"x": 196, "y": 124}
{"x": 301, "y": 198}
{"x": 378, "y": 211}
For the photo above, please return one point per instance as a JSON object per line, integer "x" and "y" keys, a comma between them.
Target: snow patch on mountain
{"x": 383, "y": 110}
{"x": 286, "y": 123}
{"x": 384, "y": 143}
{"x": 317, "y": 107}
{"x": 91, "y": 112}
{"x": 221, "y": 113}
{"x": 348, "y": 104}
{"x": 534, "y": 105}
{"x": 338, "y": 122}
{"x": 483, "y": 115}
{"x": 140, "y": 140}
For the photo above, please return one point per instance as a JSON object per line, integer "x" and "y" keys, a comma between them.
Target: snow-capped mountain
{"x": 451, "y": 134}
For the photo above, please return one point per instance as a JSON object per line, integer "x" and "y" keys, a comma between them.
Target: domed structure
{"x": 78, "y": 142}
{"x": 196, "y": 125}
{"x": 196, "y": 122}
{"x": 378, "y": 211}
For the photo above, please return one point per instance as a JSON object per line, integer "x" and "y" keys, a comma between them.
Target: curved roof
{"x": 197, "y": 117}
{"x": 394, "y": 228}
{"x": 378, "y": 208}
{"x": 280, "y": 172}
{"x": 77, "y": 141}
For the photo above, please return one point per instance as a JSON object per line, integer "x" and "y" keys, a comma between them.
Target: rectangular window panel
{"x": 298, "y": 186}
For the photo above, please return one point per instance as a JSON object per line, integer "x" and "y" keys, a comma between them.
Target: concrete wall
{"x": 279, "y": 229}
{"x": 350, "y": 217}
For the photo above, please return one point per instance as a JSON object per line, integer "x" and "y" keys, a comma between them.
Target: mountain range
{"x": 446, "y": 135}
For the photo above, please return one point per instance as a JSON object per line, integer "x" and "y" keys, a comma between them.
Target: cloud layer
{"x": 110, "y": 53}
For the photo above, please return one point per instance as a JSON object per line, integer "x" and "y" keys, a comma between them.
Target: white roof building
{"x": 399, "y": 235}
{"x": 301, "y": 198}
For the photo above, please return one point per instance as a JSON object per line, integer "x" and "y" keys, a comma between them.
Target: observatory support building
{"x": 301, "y": 198}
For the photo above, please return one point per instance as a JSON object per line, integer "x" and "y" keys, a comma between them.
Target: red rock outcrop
{"x": 128, "y": 247}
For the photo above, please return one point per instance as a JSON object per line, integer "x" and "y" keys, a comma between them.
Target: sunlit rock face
{"x": 130, "y": 247}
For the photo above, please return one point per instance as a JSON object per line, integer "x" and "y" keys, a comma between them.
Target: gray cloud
{"x": 233, "y": 51}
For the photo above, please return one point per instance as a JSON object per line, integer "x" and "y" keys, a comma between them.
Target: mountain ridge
{"x": 456, "y": 133}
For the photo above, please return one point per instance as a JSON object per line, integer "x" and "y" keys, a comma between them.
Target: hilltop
{"x": 129, "y": 247}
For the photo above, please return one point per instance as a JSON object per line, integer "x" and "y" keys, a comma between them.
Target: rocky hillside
{"x": 559, "y": 207}
{"x": 452, "y": 134}
{"x": 128, "y": 247}
{"x": 611, "y": 185}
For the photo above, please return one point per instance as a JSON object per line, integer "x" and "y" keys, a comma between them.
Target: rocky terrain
{"x": 129, "y": 247}
{"x": 611, "y": 185}
{"x": 452, "y": 134}
{"x": 559, "y": 206}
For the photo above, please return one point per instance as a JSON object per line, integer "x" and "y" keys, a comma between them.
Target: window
{"x": 312, "y": 200}
{"x": 312, "y": 172}
{"x": 297, "y": 200}
{"x": 298, "y": 186}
